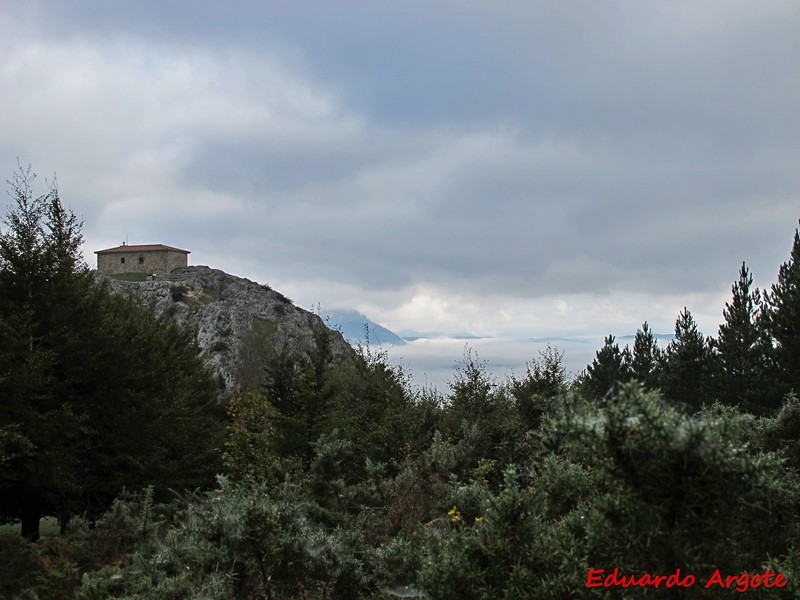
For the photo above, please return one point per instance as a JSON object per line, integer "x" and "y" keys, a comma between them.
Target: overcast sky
{"x": 497, "y": 168}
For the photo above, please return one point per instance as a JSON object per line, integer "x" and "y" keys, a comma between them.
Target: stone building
{"x": 147, "y": 258}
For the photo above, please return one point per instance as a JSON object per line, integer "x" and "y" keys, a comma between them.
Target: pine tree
{"x": 687, "y": 364}
{"x": 645, "y": 365}
{"x": 782, "y": 318}
{"x": 303, "y": 387}
{"x": 98, "y": 393}
{"x": 35, "y": 301}
{"x": 740, "y": 350}
{"x": 609, "y": 368}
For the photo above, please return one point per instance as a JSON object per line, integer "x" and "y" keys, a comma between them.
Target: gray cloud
{"x": 526, "y": 149}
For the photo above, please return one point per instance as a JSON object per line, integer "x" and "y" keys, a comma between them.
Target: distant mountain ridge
{"x": 357, "y": 327}
{"x": 665, "y": 337}
{"x": 411, "y": 336}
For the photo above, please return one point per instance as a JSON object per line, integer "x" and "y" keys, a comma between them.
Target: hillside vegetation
{"x": 239, "y": 323}
{"x": 332, "y": 478}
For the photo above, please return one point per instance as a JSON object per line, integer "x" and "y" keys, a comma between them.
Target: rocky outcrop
{"x": 239, "y": 322}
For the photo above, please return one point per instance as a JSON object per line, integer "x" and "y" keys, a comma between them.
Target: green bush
{"x": 240, "y": 542}
{"x": 635, "y": 485}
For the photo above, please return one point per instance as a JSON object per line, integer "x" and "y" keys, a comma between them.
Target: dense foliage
{"x": 95, "y": 392}
{"x": 339, "y": 480}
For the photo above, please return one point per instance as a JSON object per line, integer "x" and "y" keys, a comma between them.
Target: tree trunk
{"x": 30, "y": 525}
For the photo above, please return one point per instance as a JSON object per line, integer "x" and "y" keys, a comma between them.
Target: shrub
{"x": 240, "y": 542}
{"x": 634, "y": 485}
{"x": 178, "y": 292}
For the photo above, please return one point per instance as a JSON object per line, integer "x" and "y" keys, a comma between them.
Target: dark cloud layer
{"x": 504, "y": 148}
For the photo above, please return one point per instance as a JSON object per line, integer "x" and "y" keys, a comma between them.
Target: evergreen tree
{"x": 284, "y": 388}
{"x": 647, "y": 358}
{"x": 545, "y": 380}
{"x": 376, "y": 410}
{"x": 687, "y": 364}
{"x": 782, "y": 319}
{"x": 472, "y": 392}
{"x": 34, "y": 307}
{"x": 740, "y": 350}
{"x": 98, "y": 393}
{"x": 303, "y": 386}
{"x": 609, "y": 368}
{"x": 478, "y": 410}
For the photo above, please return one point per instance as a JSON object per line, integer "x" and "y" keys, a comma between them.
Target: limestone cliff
{"x": 238, "y": 321}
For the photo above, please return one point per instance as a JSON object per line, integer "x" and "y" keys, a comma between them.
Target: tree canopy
{"x": 783, "y": 319}
{"x": 687, "y": 364}
{"x": 96, "y": 393}
{"x": 741, "y": 349}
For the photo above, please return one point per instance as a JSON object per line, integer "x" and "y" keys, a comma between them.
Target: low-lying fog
{"x": 433, "y": 361}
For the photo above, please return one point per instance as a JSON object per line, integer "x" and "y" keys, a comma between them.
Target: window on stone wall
{"x": 141, "y": 260}
{"x": 122, "y": 260}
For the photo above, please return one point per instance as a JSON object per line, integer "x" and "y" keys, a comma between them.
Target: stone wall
{"x": 161, "y": 262}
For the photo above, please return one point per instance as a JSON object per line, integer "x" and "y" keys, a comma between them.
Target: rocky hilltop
{"x": 238, "y": 322}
